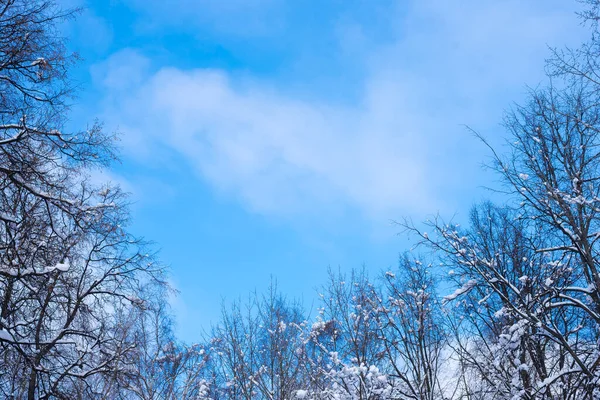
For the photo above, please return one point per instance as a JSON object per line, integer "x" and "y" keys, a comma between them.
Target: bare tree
{"x": 411, "y": 330}
{"x": 346, "y": 344}
{"x": 258, "y": 349}
{"x": 529, "y": 270}
{"x": 159, "y": 367}
{"x": 68, "y": 267}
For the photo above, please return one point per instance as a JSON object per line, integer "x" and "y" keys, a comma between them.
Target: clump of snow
{"x": 461, "y": 290}
{"x": 39, "y": 61}
{"x": 317, "y": 326}
{"x": 62, "y": 267}
{"x": 500, "y": 313}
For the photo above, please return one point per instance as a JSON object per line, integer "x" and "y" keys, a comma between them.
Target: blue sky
{"x": 279, "y": 138}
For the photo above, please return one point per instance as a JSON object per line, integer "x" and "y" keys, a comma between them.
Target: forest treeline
{"x": 84, "y": 311}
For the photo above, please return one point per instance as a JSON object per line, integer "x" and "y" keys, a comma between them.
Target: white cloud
{"x": 386, "y": 154}
{"x": 123, "y": 71}
{"x": 278, "y": 154}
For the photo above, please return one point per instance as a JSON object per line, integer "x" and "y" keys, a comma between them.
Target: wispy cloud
{"x": 397, "y": 149}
